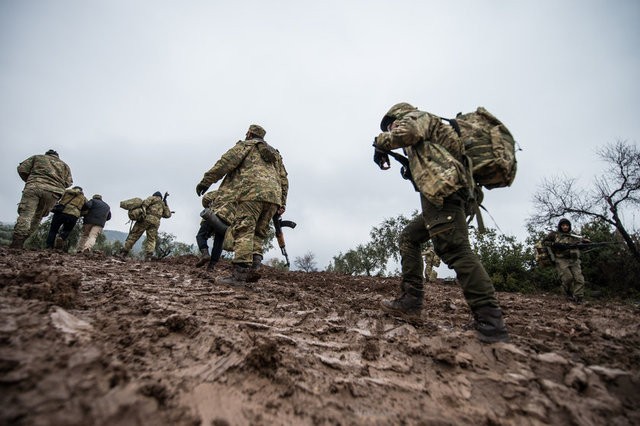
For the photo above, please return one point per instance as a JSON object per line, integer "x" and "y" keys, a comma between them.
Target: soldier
{"x": 259, "y": 191}
{"x": 98, "y": 213}
{"x": 567, "y": 260}
{"x": 46, "y": 177}
{"x": 216, "y": 218}
{"x": 65, "y": 214}
{"x": 155, "y": 208}
{"x": 431, "y": 261}
{"x": 435, "y": 157}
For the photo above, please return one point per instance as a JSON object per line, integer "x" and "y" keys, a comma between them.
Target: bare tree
{"x": 306, "y": 263}
{"x": 618, "y": 187}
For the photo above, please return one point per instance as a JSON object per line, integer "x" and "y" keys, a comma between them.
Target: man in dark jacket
{"x": 98, "y": 213}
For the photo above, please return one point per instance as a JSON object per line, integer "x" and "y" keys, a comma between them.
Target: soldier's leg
{"x": 56, "y": 222}
{"x": 566, "y": 277}
{"x": 262, "y": 229}
{"x": 84, "y": 235}
{"x": 135, "y": 233}
{"x": 26, "y": 213}
{"x": 46, "y": 201}
{"x": 578, "y": 280}
{"x": 150, "y": 242}
{"x": 247, "y": 215}
{"x": 409, "y": 303}
{"x": 448, "y": 229}
{"x": 93, "y": 236}
{"x": 204, "y": 233}
{"x": 67, "y": 226}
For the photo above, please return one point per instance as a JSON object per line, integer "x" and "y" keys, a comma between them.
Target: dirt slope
{"x": 89, "y": 339}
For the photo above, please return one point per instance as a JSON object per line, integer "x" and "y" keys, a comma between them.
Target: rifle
{"x": 581, "y": 246}
{"x": 278, "y": 223}
{"x": 381, "y": 158}
{"x": 164, "y": 200}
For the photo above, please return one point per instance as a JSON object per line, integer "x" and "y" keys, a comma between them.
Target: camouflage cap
{"x": 254, "y": 129}
{"x": 97, "y": 197}
{"x": 395, "y": 112}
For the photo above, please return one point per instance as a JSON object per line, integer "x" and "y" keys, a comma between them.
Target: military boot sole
{"x": 414, "y": 314}
{"x": 230, "y": 281}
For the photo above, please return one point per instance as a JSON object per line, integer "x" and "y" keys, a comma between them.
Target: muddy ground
{"x": 95, "y": 340}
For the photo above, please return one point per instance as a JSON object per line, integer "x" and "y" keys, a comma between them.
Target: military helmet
{"x": 254, "y": 129}
{"x": 395, "y": 112}
{"x": 564, "y": 220}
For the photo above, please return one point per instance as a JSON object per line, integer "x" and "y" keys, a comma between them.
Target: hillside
{"x": 89, "y": 339}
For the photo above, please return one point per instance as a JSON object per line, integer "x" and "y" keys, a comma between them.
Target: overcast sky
{"x": 140, "y": 96}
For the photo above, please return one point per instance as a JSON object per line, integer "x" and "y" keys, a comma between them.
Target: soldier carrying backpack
{"x": 146, "y": 215}
{"x": 437, "y": 166}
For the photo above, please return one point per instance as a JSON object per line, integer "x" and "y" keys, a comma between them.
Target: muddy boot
{"x": 148, "y": 257}
{"x": 254, "y": 273}
{"x": 59, "y": 244}
{"x": 238, "y": 277}
{"x": 17, "y": 241}
{"x": 489, "y": 325}
{"x": 212, "y": 265}
{"x": 123, "y": 253}
{"x": 408, "y": 305}
{"x": 204, "y": 257}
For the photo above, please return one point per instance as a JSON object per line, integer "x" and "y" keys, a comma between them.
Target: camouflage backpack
{"x": 544, "y": 255}
{"x": 489, "y": 148}
{"x": 134, "y": 207}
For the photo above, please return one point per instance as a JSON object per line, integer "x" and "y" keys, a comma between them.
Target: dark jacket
{"x": 99, "y": 212}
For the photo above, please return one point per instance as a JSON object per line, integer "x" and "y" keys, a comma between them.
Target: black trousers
{"x": 64, "y": 220}
{"x": 205, "y": 232}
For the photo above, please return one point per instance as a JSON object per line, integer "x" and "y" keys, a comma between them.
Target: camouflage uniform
{"x": 45, "y": 177}
{"x": 435, "y": 154}
{"x": 260, "y": 187}
{"x": 155, "y": 209}
{"x": 567, "y": 261}
{"x": 73, "y": 201}
{"x": 431, "y": 261}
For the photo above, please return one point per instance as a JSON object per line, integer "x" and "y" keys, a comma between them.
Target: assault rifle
{"x": 164, "y": 200}
{"x": 278, "y": 223}
{"x": 581, "y": 246}
{"x": 381, "y": 158}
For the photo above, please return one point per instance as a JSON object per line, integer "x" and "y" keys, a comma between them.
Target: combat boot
{"x": 238, "y": 278}
{"x": 17, "y": 241}
{"x": 123, "y": 253}
{"x": 59, "y": 243}
{"x": 204, "y": 257}
{"x": 408, "y": 305}
{"x": 489, "y": 325}
{"x": 254, "y": 273}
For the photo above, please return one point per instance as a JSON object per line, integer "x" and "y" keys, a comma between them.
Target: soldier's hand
{"x": 201, "y": 189}
{"x": 381, "y": 159}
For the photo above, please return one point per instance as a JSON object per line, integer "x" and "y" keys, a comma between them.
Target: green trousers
{"x": 138, "y": 229}
{"x": 35, "y": 204}
{"x": 250, "y": 229}
{"x": 571, "y": 276}
{"x": 447, "y": 229}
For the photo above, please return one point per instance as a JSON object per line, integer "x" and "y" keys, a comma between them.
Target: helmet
{"x": 562, "y": 221}
{"x": 395, "y": 112}
{"x": 254, "y": 129}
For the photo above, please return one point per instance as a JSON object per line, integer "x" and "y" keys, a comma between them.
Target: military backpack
{"x": 489, "y": 147}
{"x": 134, "y": 207}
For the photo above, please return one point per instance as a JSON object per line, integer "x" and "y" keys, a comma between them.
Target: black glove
{"x": 201, "y": 189}
{"x": 381, "y": 159}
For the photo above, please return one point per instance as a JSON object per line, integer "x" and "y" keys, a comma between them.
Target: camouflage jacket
{"x": 254, "y": 170}
{"x": 73, "y": 200}
{"x": 155, "y": 209}
{"x": 46, "y": 172}
{"x": 221, "y": 201}
{"x": 435, "y": 154}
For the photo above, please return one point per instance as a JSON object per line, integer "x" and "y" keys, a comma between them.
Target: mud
{"x": 94, "y": 340}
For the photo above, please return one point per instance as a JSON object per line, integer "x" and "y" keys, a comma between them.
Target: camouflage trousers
{"x": 250, "y": 229}
{"x": 571, "y": 276}
{"x": 136, "y": 232}
{"x": 447, "y": 229}
{"x": 35, "y": 204}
